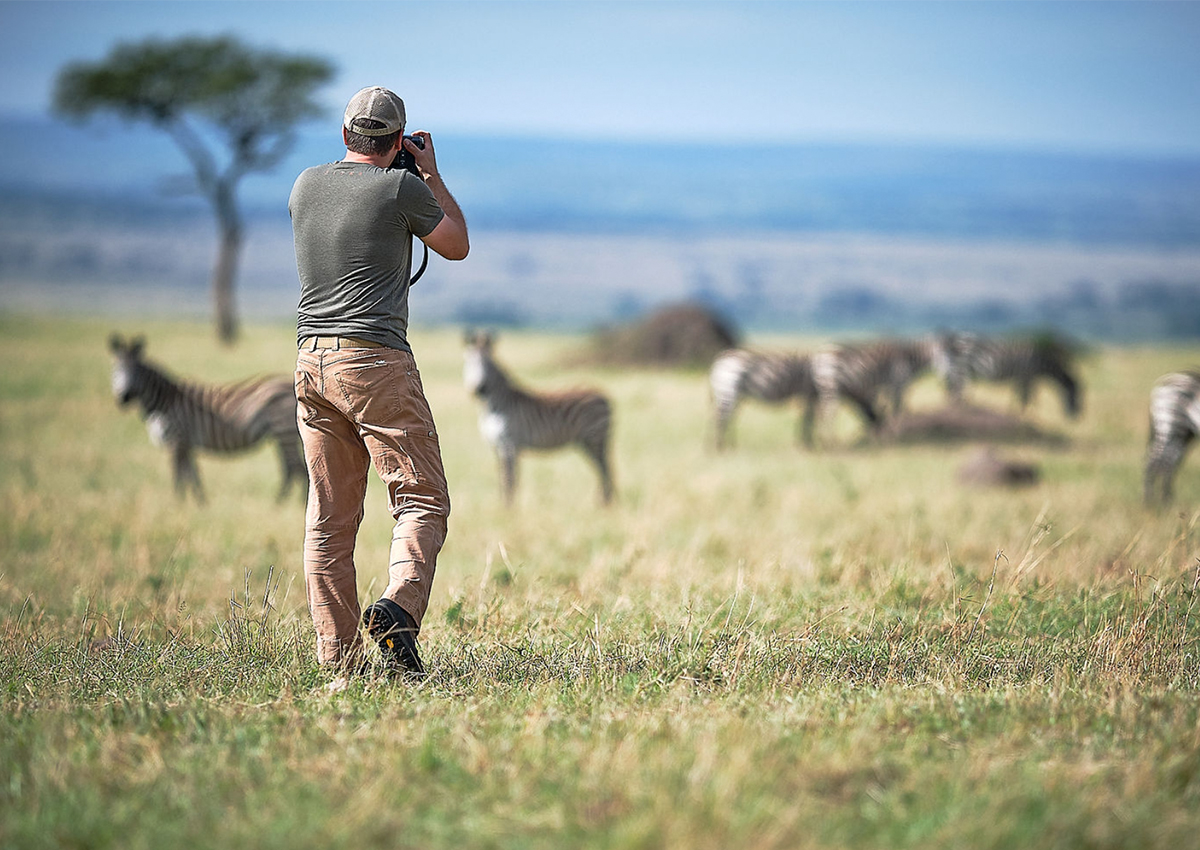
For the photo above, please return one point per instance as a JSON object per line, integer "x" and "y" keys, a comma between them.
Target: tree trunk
{"x": 225, "y": 272}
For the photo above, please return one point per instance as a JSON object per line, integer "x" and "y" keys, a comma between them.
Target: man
{"x": 359, "y": 392}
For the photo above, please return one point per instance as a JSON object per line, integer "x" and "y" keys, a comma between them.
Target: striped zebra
{"x": 183, "y": 416}
{"x": 771, "y": 377}
{"x": 1023, "y": 361}
{"x": 515, "y": 418}
{"x": 1174, "y": 423}
{"x": 862, "y": 372}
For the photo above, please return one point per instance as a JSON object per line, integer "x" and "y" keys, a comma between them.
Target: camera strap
{"x": 424, "y": 262}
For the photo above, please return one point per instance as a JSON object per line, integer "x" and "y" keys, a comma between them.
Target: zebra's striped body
{"x": 516, "y": 419}
{"x": 771, "y": 377}
{"x": 183, "y": 417}
{"x": 1022, "y": 361}
{"x": 863, "y": 372}
{"x": 1174, "y": 423}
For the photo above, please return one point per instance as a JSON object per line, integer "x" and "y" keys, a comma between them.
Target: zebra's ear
{"x": 136, "y": 346}
{"x": 115, "y": 343}
{"x": 486, "y": 338}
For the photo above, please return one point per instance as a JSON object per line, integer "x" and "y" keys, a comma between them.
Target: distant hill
{"x": 634, "y": 187}
{"x": 820, "y": 238}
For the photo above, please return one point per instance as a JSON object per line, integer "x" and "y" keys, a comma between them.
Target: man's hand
{"x": 424, "y": 157}
{"x": 449, "y": 238}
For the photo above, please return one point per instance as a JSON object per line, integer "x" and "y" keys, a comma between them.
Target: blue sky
{"x": 1092, "y": 76}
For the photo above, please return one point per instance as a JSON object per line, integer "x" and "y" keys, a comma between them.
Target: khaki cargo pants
{"x": 359, "y": 407}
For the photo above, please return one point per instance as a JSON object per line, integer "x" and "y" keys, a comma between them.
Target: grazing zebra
{"x": 516, "y": 419}
{"x": 1022, "y": 361}
{"x": 186, "y": 416}
{"x": 766, "y": 376}
{"x": 1174, "y": 423}
{"x": 862, "y": 372}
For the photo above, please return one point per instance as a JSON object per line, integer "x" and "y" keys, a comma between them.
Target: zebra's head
{"x": 478, "y": 366}
{"x": 125, "y": 370}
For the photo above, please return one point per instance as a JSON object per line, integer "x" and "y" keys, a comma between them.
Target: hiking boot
{"x": 394, "y": 630}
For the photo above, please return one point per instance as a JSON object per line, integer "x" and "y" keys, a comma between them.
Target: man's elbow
{"x": 459, "y": 250}
{"x": 450, "y": 242}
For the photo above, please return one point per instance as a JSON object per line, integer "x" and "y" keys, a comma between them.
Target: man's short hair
{"x": 370, "y": 145}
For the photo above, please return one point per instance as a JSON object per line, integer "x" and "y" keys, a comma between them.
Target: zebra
{"x": 515, "y": 418}
{"x": 772, "y": 377}
{"x": 1174, "y": 423}
{"x": 862, "y": 372}
{"x": 1021, "y": 360}
{"x": 855, "y": 373}
{"x": 183, "y": 416}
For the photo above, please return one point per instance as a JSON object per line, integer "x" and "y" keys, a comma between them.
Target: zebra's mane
{"x": 504, "y": 389}
{"x": 505, "y": 383}
{"x": 160, "y": 389}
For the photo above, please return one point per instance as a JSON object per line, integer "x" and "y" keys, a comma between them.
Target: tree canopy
{"x": 208, "y": 94}
{"x": 253, "y": 98}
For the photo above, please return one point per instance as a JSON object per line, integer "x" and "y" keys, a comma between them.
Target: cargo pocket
{"x": 412, "y": 470}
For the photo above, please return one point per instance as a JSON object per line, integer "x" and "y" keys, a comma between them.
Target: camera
{"x": 404, "y": 159}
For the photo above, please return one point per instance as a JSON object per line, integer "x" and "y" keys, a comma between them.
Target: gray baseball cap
{"x": 377, "y": 104}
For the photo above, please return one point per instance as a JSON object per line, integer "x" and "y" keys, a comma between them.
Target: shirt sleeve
{"x": 418, "y": 208}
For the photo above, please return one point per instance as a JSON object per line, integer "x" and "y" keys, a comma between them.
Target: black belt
{"x": 312, "y": 343}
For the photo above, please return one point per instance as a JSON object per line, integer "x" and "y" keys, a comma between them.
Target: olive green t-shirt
{"x": 353, "y": 225}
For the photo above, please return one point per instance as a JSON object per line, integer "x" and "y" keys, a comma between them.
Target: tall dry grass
{"x": 768, "y": 647}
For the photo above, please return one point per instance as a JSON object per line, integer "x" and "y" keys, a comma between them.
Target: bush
{"x": 684, "y": 334}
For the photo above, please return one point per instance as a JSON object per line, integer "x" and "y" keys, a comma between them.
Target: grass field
{"x": 766, "y": 648}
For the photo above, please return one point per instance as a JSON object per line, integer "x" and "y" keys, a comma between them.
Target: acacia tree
{"x": 232, "y": 109}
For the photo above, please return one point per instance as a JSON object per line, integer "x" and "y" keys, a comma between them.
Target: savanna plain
{"x": 767, "y": 647}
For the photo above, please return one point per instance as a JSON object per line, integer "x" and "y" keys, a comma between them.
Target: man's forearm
{"x": 445, "y": 200}
{"x": 449, "y": 238}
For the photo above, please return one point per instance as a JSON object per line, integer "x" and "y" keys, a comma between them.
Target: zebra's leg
{"x": 1150, "y": 482}
{"x": 824, "y": 409}
{"x": 804, "y": 431}
{"x": 186, "y": 474}
{"x": 866, "y": 409}
{"x": 1171, "y": 459}
{"x": 1163, "y": 459}
{"x": 955, "y": 384}
{"x": 725, "y": 411}
{"x": 597, "y": 450}
{"x": 1024, "y": 391}
{"x": 898, "y": 397}
{"x": 300, "y": 470}
{"x": 1068, "y": 386}
{"x": 291, "y": 457}
{"x": 1150, "y": 471}
{"x": 508, "y": 471}
{"x": 1164, "y": 467}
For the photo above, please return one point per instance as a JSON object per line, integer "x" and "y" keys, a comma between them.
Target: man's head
{"x": 374, "y": 121}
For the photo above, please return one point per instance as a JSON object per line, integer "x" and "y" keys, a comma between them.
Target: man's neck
{"x": 378, "y": 161}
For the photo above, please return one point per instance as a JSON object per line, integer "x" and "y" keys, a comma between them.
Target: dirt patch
{"x": 965, "y": 423}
